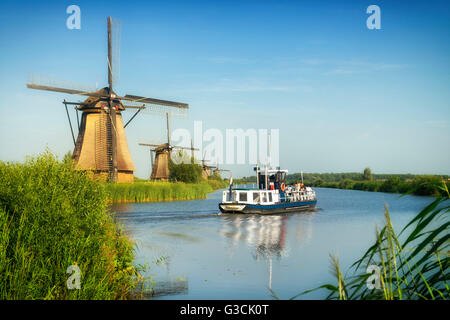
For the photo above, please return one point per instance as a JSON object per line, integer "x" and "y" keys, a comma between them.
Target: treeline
{"x": 354, "y": 176}
{"x": 366, "y": 181}
{"x": 424, "y": 185}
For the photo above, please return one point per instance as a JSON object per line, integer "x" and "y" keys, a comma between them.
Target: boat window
{"x": 255, "y": 196}
{"x": 242, "y": 196}
{"x": 270, "y": 196}
{"x": 233, "y": 196}
{"x": 264, "y": 197}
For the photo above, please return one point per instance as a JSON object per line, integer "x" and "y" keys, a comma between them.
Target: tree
{"x": 390, "y": 185}
{"x": 185, "y": 172}
{"x": 346, "y": 184}
{"x": 367, "y": 175}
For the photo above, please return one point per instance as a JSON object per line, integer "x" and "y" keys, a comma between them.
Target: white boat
{"x": 271, "y": 195}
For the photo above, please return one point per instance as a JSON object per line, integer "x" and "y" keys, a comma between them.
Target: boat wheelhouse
{"x": 271, "y": 195}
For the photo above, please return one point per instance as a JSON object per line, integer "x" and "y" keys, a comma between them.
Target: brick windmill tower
{"x": 163, "y": 153}
{"x": 101, "y": 145}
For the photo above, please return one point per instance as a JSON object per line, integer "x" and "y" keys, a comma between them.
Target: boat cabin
{"x": 273, "y": 178}
{"x": 251, "y": 196}
{"x": 270, "y": 189}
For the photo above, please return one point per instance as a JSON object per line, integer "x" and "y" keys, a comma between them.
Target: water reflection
{"x": 266, "y": 235}
{"x": 119, "y": 208}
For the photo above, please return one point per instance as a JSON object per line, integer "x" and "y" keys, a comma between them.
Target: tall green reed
{"x": 413, "y": 264}
{"x": 153, "y": 191}
{"x": 51, "y": 217}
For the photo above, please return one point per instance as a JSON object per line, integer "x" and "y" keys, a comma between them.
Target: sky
{"x": 343, "y": 97}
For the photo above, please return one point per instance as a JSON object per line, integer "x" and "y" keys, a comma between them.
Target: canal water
{"x": 196, "y": 253}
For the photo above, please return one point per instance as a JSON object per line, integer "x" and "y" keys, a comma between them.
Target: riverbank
{"x": 156, "y": 191}
{"x": 422, "y": 185}
{"x": 55, "y": 229}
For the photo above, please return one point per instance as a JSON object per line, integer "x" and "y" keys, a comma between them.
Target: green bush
{"x": 318, "y": 182}
{"x": 390, "y": 185}
{"x": 185, "y": 172}
{"x": 51, "y": 217}
{"x": 426, "y": 185}
{"x": 346, "y": 184}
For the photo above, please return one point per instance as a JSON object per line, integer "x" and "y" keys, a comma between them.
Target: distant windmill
{"x": 218, "y": 170}
{"x": 101, "y": 145}
{"x": 163, "y": 152}
{"x": 206, "y": 169}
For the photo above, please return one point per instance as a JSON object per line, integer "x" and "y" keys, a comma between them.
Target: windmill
{"x": 101, "y": 145}
{"x": 217, "y": 170}
{"x": 163, "y": 153}
{"x": 206, "y": 169}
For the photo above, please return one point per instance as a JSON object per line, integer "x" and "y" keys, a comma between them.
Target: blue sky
{"x": 344, "y": 97}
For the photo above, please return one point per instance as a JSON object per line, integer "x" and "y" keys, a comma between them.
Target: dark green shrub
{"x": 185, "y": 172}
{"x": 390, "y": 185}
{"x": 346, "y": 184}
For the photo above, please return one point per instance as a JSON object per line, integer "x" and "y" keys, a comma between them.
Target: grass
{"x": 52, "y": 217}
{"x": 154, "y": 191}
{"x": 413, "y": 264}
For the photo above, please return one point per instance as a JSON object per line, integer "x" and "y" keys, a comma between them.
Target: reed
{"x": 153, "y": 191}
{"x": 413, "y": 264}
{"x": 51, "y": 217}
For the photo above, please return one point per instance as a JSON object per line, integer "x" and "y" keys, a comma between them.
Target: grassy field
{"x": 52, "y": 217}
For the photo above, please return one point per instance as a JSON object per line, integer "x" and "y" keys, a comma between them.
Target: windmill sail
{"x": 40, "y": 82}
{"x": 116, "y": 34}
{"x": 101, "y": 145}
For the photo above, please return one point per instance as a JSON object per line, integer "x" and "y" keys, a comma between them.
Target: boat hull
{"x": 266, "y": 209}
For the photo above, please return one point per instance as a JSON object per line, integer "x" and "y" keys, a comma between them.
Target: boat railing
{"x": 293, "y": 195}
